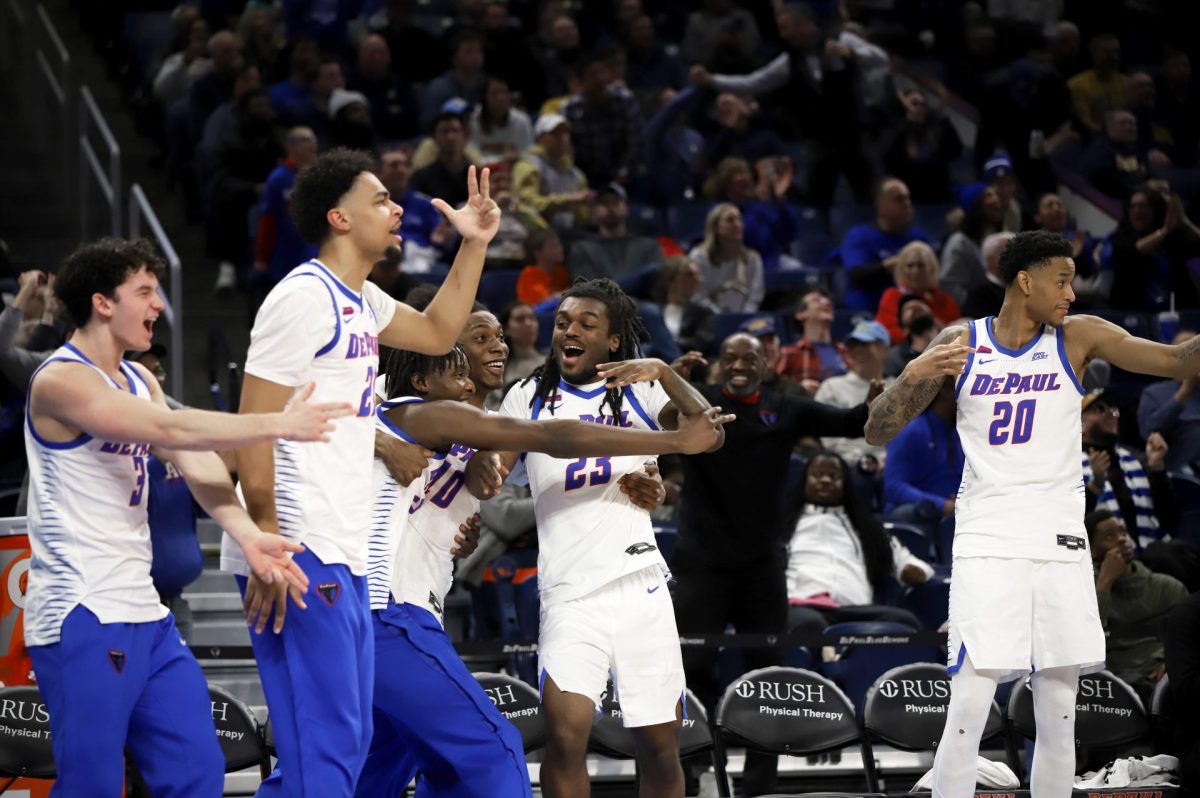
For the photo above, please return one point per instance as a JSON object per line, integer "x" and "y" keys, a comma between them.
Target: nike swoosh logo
{"x": 989, "y": 360}
{"x": 652, "y": 589}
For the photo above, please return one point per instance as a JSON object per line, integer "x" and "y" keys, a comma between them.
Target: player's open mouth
{"x": 495, "y": 366}
{"x": 739, "y": 380}
{"x": 571, "y": 354}
{"x": 149, "y": 324}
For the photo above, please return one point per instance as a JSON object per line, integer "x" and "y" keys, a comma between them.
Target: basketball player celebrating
{"x": 1022, "y": 599}
{"x": 111, "y": 668}
{"x": 325, "y": 321}
{"x": 432, "y": 716}
{"x": 601, "y": 578}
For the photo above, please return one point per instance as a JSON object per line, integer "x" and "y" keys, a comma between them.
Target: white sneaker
{"x": 226, "y": 278}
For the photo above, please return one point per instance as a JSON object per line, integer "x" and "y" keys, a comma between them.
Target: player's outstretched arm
{"x": 442, "y": 424}
{"x": 907, "y": 398}
{"x": 1091, "y": 336}
{"x": 685, "y": 399}
{"x": 74, "y": 397}
{"x": 434, "y": 331}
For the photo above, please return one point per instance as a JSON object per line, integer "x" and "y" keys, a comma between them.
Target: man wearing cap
{"x": 612, "y": 251}
{"x": 447, "y": 176}
{"x": 731, "y": 556}
{"x": 998, "y": 173}
{"x": 547, "y": 179}
{"x": 866, "y": 347}
{"x": 766, "y": 331}
{"x": 350, "y": 120}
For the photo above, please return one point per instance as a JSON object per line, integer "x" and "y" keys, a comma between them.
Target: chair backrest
{"x": 25, "y": 734}
{"x": 519, "y": 703}
{"x": 1107, "y": 712}
{"x": 1160, "y": 702}
{"x": 906, "y": 707}
{"x": 612, "y": 739}
{"x": 787, "y": 711}
{"x": 861, "y": 665}
{"x": 238, "y": 731}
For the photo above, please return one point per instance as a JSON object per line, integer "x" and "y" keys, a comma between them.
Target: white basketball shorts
{"x": 1016, "y": 616}
{"x": 626, "y": 627}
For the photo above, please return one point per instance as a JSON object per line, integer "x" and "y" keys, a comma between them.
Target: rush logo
{"x": 23, "y": 710}
{"x": 782, "y": 691}
{"x": 915, "y": 688}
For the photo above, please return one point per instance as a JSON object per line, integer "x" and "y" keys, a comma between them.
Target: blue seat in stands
{"x": 665, "y": 537}
{"x": 945, "y": 540}
{"x": 685, "y": 222}
{"x": 929, "y": 601}
{"x": 498, "y": 288}
{"x": 1138, "y": 324}
{"x": 859, "y": 666}
{"x": 843, "y": 217}
{"x": 932, "y": 219}
{"x": 1187, "y": 491}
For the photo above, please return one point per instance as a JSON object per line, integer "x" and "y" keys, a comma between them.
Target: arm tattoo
{"x": 902, "y": 402}
{"x": 1189, "y": 357}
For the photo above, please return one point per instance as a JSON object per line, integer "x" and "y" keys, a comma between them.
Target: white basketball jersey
{"x": 87, "y": 524}
{"x": 1022, "y": 492}
{"x": 389, "y": 513}
{"x": 589, "y": 533}
{"x": 313, "y": 328}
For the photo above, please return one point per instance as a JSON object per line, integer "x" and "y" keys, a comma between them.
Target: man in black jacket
{"x": 731, "y": 554}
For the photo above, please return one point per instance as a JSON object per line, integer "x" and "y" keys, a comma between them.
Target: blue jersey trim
{"x": 88, "y": 360}
{"x": 1004, "y": 350}
{"x": 337, "y": 312}
{"x": 582, "y": 394}
{"x": 130, "y": 374}
{"x": 962, "y": 655}
{"x": 537, "y": 408}
{"x": 970, "y": 359}
{"x": 1060, "y": 335}
{"x": 387, "y": 422}
{"x": 60, "y": 445}
{"x": 637, "y": 408}
{"x": 353, "y": 297}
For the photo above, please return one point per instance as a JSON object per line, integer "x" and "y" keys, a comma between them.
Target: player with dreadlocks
{"x": 433, "y": 718}
{"x": 601, "y": 578}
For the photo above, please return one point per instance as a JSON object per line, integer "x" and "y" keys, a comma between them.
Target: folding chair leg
{"x": 868, "y": 757}
{"x": 723, "y": 787}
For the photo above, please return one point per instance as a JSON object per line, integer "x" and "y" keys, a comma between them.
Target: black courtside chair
{"x": 24, "y": 737}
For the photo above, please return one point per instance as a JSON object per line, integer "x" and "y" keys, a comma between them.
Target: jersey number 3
{"x": 578, "y": 474}
{"x": 1020, "y": 419}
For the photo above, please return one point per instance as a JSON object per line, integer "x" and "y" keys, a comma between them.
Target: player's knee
{"x": 566, "y": 740}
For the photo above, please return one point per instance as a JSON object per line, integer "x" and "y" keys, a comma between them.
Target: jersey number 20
{"x": 578, "y": 474}
{"x": 1020, "y": 419}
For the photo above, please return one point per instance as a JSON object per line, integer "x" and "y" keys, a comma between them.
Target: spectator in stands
{"x": 424, "y": 232}
{"x": 970, "y": 74}
{"x": 171, "y": 515}
{"x": 737, "y": 134}
{"x": 606, "y": 123}
{"x": 614, "y": 251}
{"x": 1150, "y": 250}
{"x": 690, "y": 322}
{"x": 1181, "y": 645}
{"x": 239, "y": 160}
{"x": 986, "y": 298}
{"x": 508, "y": 55}
{"x": 869, "y": 250}
{"x": 815, "y": 357}
{"x": 464, "y": 79}
{"x": 329, "y": 80}
{"x": 820, "y": 79}
{"x": 1051, "y": 214}
{"x": 650, "y": 67}
{"x": 1142, "y": 103}
{"x": 998, "y": 174}
{"x": 962, "y": 255}
{"x": 29, "y": 328}
{"x": 499, "y": 131}
{"x": 215, "y": 86}
{"x": 1178, "y": 108}
{"x": 447, "y": 176}
{"x": 394, "y": 112}
{"x": 507, "y": 249}
{"x": 350, "y": 121}
{"x": 520, "y": 325}
{"x": 262, "y": 40}
{"x": 278, "y": 248}
{"x": 840, "y": 556}
{"x": 865, "y": 349}
{"x": 770, "y": 222}
{"x": 1133, "y": 603}
{"x": 560, "y": 53}
{"x": 721, "y": 35}
{"x": 1172, "y": 408}
{"x": 920, "y": 148}
{"x": 292, "y": 98}
{"x": 545, "y": 277}
{"x": 916, "y": 274}
{"x": 223, "y": 121}
{"x": 730, "y": 559}
{"x": 547, "y": 179}
{"x": 924, "y": 464}
{"x": 920, "y": 328}
{"x": 1098, "y": 91}
{"x": 420, "y": 56}
{"x": 184, "y": 67}
{"x": 1117, "y": 481}
{"x": 1065, "y": 46}
{"x": 1114, "y": 162}
{"x": 766, "y": 331}
{"x": 731, "y": 274}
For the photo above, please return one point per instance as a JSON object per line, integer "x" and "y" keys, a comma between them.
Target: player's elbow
{"x": 720, "y": 442}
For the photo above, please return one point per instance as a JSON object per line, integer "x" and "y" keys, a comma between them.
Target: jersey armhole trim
{"x": 56, "y": 445}
{"x": 1061, "y": 344}
{"x": 130, "y": 374}
{"x": 637, "y": 408}
{"x": 391, "y": 425}
{"x": 337, "y": 316}
{"x": 962, "y": 380}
